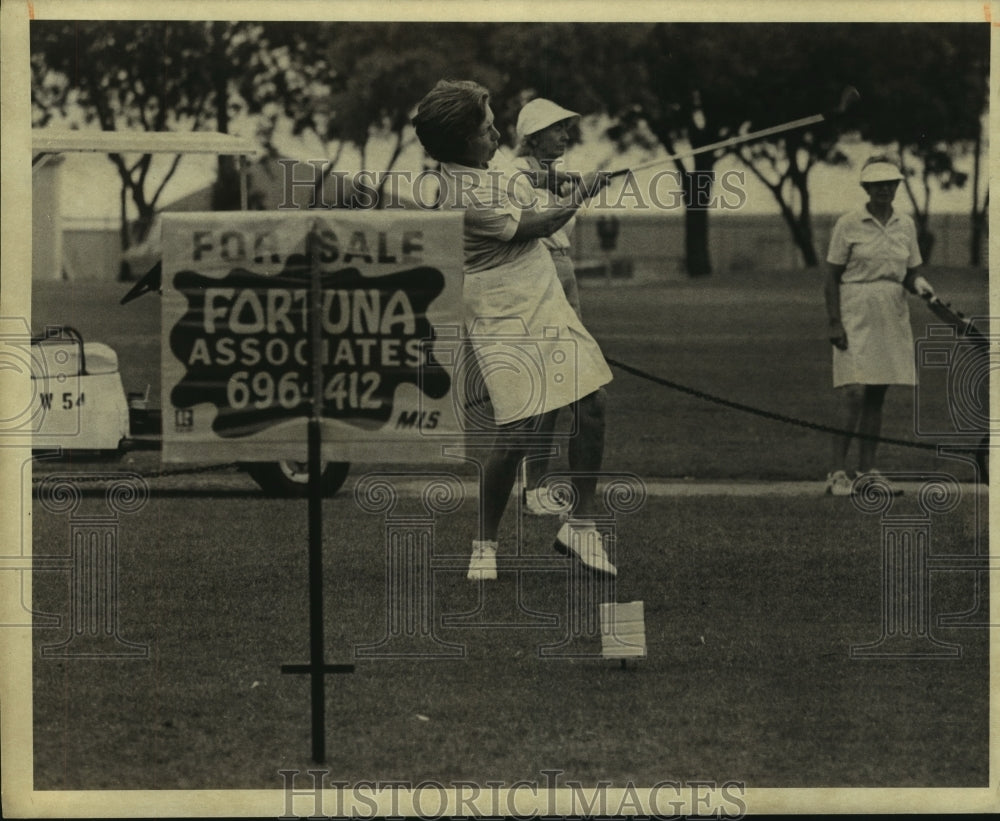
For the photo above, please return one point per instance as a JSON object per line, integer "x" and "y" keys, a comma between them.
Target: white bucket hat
{"x": 538, "y": 114}
{"x": 880, "y": 171}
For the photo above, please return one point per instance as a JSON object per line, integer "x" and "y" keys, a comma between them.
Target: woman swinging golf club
{"x": 511, "y": 282}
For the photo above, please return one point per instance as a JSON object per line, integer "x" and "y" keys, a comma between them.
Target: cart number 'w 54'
{"x": 69, "y": 400}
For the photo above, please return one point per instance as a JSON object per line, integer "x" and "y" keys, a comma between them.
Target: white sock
{"x": 481, "y": 543}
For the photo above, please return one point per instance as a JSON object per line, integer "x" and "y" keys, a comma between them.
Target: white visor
{"x": 539, "y": 114}
{"x": 880, "y": 172}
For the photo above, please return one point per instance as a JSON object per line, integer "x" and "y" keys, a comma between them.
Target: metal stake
{"x": 317, "y": 667}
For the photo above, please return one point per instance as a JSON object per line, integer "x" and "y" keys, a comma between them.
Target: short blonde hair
{"x": 448, "y": 116}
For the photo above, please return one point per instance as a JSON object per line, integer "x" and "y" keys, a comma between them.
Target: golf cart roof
{"x": 52, "y": 141}
{"x": 46, "y": 142}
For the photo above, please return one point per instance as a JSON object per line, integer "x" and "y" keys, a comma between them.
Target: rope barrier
{"x": 777, "y": 417}
{"x": 658, "y": 380}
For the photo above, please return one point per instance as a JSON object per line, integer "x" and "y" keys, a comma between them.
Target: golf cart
{"x": 84, "y": 408}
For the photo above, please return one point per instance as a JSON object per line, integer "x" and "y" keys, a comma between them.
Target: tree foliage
{"x": 813, "y": 54}
{"x": 688, "y": 86}
{"x": 674, "y": 85}
{"x": 925, "y": 97}
{"x": 923, "y": 89}
{"x": 352, "y": 82}
{"x": 697, "y": 96}
{"x": 121, "y": 76}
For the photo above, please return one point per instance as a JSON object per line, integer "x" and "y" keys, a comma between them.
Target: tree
{"x": 926, "y": 94}
{"x": 118, "y": 75}
{"x": 688, "y": 85}
{"x": 231, "y": 50}
{"x": 670, "y": 82}
{"x": 980, "y": 208}
{"x": 289, "y": 77}
{"x": 700, "y": 83}
{"x": 926, "y": 97}
{"x": 154, "y": 76}
{"x": 695, "y": 95}
{"x": 783, "y": 163}
{"x": 566, "y": 62}
{"x": 363, "y": 81}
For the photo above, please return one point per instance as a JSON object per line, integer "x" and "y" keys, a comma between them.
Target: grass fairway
{"x": 758, "y": 338}
{"x": 752, "y": 604}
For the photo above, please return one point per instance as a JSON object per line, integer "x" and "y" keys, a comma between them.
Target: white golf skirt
{"x": 531, "y": 348}
{"x": 879, "y": 351}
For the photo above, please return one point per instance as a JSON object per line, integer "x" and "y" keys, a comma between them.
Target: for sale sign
{"x": 240, "y": 294}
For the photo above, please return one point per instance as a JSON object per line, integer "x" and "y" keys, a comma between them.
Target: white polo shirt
{"x": 559, "y": 240}
{"x": 872, "y": 251}
{"x": 491, "y": 216}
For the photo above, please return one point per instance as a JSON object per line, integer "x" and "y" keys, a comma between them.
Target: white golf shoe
{"x": 583, "y": 540}
{"x": 838, "y": 483}
{"x": 483, "y": 563}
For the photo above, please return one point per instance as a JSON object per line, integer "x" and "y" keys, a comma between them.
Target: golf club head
{"x": 845, "y": 108}
{"x": 953, "y": 317}
{"x": 849, "y": 97}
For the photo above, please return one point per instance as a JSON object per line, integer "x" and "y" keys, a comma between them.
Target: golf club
{"x": 849, "y": 96}
{"x": 946, "y": 313}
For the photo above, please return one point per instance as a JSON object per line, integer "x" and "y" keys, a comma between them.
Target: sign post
{"x": 317, "y": 667}
{"x": 316, "y": 652}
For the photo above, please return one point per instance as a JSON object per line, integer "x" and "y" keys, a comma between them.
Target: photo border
{"x": 16, "y": 730}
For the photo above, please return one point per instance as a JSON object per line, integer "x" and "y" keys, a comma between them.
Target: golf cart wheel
{"x": 291, "y": 479}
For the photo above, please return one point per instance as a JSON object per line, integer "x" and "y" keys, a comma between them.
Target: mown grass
{"x": 752, "y": 604}
{"x": 758, "y": 338}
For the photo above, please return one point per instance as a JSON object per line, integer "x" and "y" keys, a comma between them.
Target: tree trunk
{"x": 980, "y": 226}
{"x": 925, "y": 242}
{"x": 801, "y": 229}
{"x": 696, "y": 257}
{"x": 226, "y": 191}
{"x": 976, "y": 238}
{"x": 804, "y": 233}
{"x": 804, "y": 240}
{"x": 976, "y": 241}
{"x": 123, "y": 267}
{"x": 925, "y": 239}
{"x": 697, "y": 201}
{"x": 380, "y": 193}
{"x": 144, "y": 222}
{"x": 799, "y": 225}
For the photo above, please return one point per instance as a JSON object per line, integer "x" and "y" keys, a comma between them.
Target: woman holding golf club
{"x": 513, "y": 302}
{"x": 872, "y": 263}
{"x": 543, "y": 132}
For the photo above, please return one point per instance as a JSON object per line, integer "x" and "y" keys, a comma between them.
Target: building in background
{"x": 46, "y": 221}
{"x": 650, "y": 245}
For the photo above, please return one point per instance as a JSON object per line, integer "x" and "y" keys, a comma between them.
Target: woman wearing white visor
{"x": 543, "y": 133}
{"x": 873, "y": 261}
